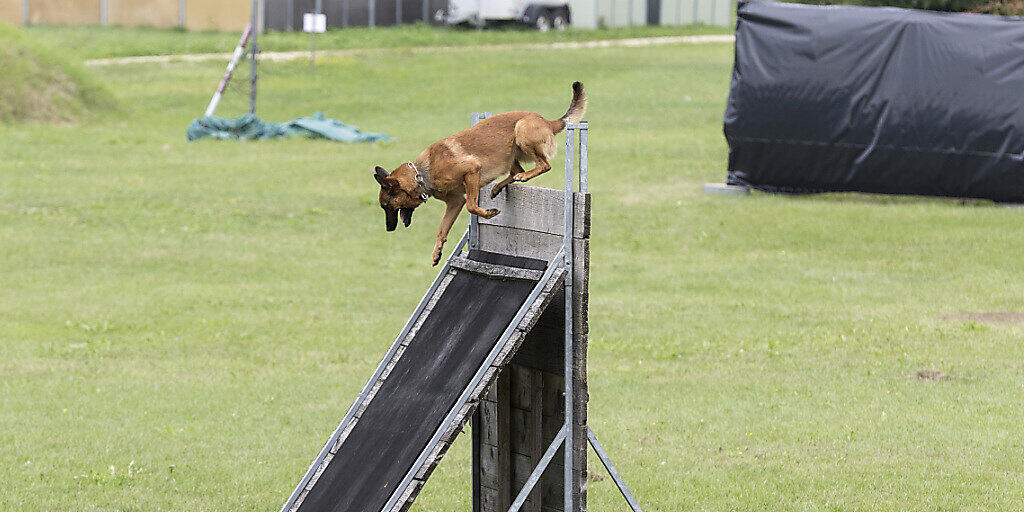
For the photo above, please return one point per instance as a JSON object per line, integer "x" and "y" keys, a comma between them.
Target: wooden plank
{"x": 501, "y": 271}
{"x": 544, "y": 344}
{"x": 581, "y": 329}
{"x": 537, "y": 446}
{"x": 521, "y": 242}
{"x": 489, "y": 417}
{"x": 521, "y": 435}
{"x": 475, "y": 471}
{"x": 489, "y": 476}
{"x": 489, "y": 499}
{"x": 503, "y": 420}
{"x": 536, "y": 209}
{"x": 521, "y": 386}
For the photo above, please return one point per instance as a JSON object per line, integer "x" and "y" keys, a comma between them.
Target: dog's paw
{"x": 521, "y": 176}
{"x": 496, "y": 190}
{"x": 490, "y": 213}
{"x": 436, "y": 257}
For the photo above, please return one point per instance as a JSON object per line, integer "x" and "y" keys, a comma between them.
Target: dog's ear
{"x": 380, "y": 174}
{"x": 386, "y": 183}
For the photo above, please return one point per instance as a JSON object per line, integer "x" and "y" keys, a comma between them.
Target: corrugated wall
{"x": 10, "y": 11}
{"x": 65, "y": 12}
{"x": 152, "y": 13}
{"x": 624, "y": 13}
{"x": 232, "y": 15}
{"x": 228, "y": 15}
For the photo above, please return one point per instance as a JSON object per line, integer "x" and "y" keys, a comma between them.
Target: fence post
{"x": 398, "y": 12}
{"x": 372, "y": 8}
{"x": 255, "y": 53}
{"x": 25, "y": 17}
{"x": 629, "y": 13}
{"x": 103, "y": 13}
{"x": 426, "y": 11}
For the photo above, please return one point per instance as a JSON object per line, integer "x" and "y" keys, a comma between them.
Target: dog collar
{"x": 426, "y": 186}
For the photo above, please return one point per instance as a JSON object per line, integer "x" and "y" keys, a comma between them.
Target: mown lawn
{"x": 182, "y": 325}
{"x": 99, "y": 42}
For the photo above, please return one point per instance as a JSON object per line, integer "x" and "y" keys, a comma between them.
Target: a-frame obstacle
{"x": 499, "y": 337}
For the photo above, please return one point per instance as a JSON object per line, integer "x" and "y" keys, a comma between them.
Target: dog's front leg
{"x": 453, "y": 205}
{"x": 472, "y": 180}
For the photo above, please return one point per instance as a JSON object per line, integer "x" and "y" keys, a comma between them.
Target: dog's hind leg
{"x": 453, "y": 206}
{"x": 472, "y": 179}
{"x": 516, "y": 169}
{"x": 542, "y": 167}
{"x": 535, "y": 138}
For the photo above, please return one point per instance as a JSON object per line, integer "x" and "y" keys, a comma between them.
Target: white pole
{"x": 103, "y": 13}
{"x": 25, "y": 18}
{"x": 235, "y": 58}
{"x": 181, "y": 13}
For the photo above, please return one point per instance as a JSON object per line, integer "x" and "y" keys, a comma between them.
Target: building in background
{"x": 232, "y": 15}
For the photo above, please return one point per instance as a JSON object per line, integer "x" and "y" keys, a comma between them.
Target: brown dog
{"x": 454, "y": 168}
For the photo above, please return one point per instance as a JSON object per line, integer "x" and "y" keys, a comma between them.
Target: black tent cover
{"x": 884, "y": 100}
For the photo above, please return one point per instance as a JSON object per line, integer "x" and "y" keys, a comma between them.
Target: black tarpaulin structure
{"x": 883, "y": 100}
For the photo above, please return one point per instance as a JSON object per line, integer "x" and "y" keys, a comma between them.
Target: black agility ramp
{"x": 882, "y": 100}
{"x": 471, "y": 308}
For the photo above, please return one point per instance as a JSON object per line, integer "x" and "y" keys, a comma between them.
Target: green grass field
{"x": 99, "y": 42}
{"x": 182, "y": 325}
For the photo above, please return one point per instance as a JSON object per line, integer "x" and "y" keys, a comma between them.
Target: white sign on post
{"x": 314, "y": 23}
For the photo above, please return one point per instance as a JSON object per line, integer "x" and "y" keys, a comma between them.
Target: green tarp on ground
{"x": 249, "y": 127}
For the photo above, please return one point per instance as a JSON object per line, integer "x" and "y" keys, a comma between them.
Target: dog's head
{"x": 400, "y": 194}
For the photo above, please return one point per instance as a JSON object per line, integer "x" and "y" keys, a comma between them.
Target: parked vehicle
{"x": 543, "y": 15}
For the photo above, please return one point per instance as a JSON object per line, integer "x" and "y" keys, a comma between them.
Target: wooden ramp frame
{"x": 528, "y": 399}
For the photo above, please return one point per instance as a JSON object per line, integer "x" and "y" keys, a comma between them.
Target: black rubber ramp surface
{"x": 424, "y": 385}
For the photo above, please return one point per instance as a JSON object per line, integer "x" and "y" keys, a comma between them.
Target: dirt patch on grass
{"x": 933, "y": 375}
{"x": 988, "y": 317}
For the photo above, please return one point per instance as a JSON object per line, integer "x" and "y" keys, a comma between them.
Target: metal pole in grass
{"x": 25, "y": 18}
{"x": 103, "y": 13}
{"x": 398, "y": 12}
{"x": 426, "y": 11}
{"x": 696, "y": 11}
{"x": 344, "y": 13}
{"x": 312, "y": 34}
{"x": 255, "y": 51}
{"x": 629, "y": 13}
{"x": 373, "y": 13}
{"x": 181, "y": 13}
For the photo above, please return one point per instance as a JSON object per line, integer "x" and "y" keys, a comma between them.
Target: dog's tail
{"x": 577, "y": 108}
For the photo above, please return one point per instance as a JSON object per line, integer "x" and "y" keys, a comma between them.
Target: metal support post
{"x": 570, "y": 460}
{"x": 253, "y": 78}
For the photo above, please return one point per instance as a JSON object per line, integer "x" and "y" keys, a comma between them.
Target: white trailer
{"x": 541, "y": 14}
